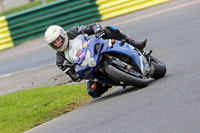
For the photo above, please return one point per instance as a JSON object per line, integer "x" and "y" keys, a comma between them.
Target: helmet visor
{"x": 57, "y": 43}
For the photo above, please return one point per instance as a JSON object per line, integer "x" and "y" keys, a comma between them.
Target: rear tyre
{"x": 160, "y": 68}
{"x": 127, "y": 77}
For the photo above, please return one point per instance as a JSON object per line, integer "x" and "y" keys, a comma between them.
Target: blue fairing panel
{"x": 128, "y": 50}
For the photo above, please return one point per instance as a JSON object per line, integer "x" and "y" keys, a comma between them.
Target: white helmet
{"x": 56, "y": 38}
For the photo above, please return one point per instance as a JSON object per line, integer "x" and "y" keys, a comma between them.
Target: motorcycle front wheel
{"x": 126, "y": 76}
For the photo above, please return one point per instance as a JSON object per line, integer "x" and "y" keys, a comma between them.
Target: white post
{"x": 44, "y": 2}
{"x": 1, "y": 5}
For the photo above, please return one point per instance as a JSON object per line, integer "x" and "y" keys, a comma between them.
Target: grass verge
{"x": 23, "y": 110}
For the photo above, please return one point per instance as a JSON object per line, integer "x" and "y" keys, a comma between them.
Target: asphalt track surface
{"x": 167, "y": 105}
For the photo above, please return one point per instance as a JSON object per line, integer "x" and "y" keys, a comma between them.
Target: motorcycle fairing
{"x": 85, "y": 71}
{"x": 126, "y": 49}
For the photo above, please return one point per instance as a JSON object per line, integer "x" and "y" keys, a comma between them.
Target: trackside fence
{"x": 32, "y": 23}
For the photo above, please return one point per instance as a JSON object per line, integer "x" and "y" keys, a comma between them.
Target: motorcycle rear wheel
{"x": 160, "y": 68}
{"x": 125, "y": 77}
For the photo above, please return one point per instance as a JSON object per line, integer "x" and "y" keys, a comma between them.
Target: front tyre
{"x": 127, "y": 77}
{"x": 160, "y": 68}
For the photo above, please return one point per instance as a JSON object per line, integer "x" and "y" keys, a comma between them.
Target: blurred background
{"x": 10, "y": 6}
{"x": 21, "y": 22}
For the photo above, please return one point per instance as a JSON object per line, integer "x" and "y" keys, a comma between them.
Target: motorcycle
{"x": 115, "y": 62}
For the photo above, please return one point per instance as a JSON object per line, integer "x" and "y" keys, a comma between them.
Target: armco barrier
{"x": 32, "y": 23}
{"x": 112, "y": 8}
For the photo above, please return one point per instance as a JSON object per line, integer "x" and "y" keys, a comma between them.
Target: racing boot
{"x": 140, "y": 45}
{"x": 115, "y": 33}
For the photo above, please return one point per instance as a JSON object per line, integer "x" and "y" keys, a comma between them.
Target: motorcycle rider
{"x": 62, "y": 42}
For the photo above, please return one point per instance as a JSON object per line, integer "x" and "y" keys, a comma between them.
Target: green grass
{"x": 23, "y": 110}
{"x": 23, "y": 7}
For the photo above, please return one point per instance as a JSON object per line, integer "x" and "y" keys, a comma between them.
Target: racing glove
{"x": 72, "y": 74}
